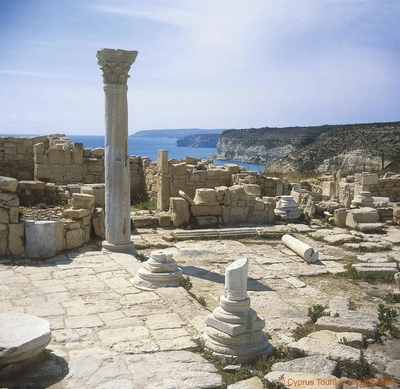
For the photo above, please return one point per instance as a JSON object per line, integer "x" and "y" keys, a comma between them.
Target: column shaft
{"x": 115, "y": 65}
{"x": 117, "y": 177}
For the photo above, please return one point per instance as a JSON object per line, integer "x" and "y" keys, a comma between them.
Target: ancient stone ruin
{"x": 159, "y": 271}
{"x": 234, "y": 329}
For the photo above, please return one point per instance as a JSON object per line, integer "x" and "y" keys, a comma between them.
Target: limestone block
{"x": 16, "y": 239}
{"x": 32, "y": 185}
{"x": 206, "y": 210}
{"x": 324, "y": 343}
{"x": 369, "y": 179}
{"x": 8, "y": 184}
{"x": 98, "y": 191}
{"x": 40, "y": 159}
{"x": 98, "y": 222}
{"x": 36, "y": 245}
{"x": 22, "y": 337}
{"x": 179, "y": 211}
{"x": 376, "y": 269}
{"x": 253, "y": 188}
{"x": 13, "y": 214}
{"x": 3, "y": 241}
{"x": 206, "y": 221}
{"x": 259, "y": 205}
{"x": 339, "y": 216}
{"x": 396, "y": 213}
{"x": 232, "y": 168}
{"x": 314, "y": 364}
{"x": 364, "y": 219}
{"x": 60, "y": 239}
{"x": 251, "y": 383}
{"x": 329, "y": 189}
{"x": 78, "y": 153}
{"x": 84, "y": 201}
{"x": 346, "y": 324}
{"x": 38, "y": 148}
{"x": 59, "y": 157}
{"x": 205, "y": 196}
{"x": 74, "y": 238}
{"x": 164, "y": 219}
{"x": 59, "y": 173}
{"x": 238, "y": 214}
{"x": 198, "y": 176}
{"x": 220, "y": 193}
{"x": 4, "y": 216}
{"x": 76, "y": 213}
{"x": 145, "y": 221}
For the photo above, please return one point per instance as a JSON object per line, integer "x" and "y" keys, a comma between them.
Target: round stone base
{"x": 241, "y": 351}
{"x": 146, "y": 280}
{"x": 127, "y": 248}
{"x": 22, "y": 337}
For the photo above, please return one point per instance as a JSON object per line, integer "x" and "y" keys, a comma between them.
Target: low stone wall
{"x": 26, "y": 238}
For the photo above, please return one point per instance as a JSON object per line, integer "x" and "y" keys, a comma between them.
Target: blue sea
{"x": 149, "y": 147}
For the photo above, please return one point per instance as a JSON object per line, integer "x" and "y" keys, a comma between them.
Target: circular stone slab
{"x": 22, "y": 336}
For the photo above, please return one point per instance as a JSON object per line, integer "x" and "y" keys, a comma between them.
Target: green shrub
{"x": 302, "y": 330}
{"x": 386, "y": 318}
{"x": 186, "y": 283}
{"x": 354, "y": 369}
{"x": 317, "y": 311}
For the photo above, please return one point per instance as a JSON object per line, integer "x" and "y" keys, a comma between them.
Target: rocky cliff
{"x": 260, "y": 145}
{"x": 356, "y": 147}
{"x": 199, "y": 140}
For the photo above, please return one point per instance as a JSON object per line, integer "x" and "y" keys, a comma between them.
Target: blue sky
{"x": 201, "y": 63}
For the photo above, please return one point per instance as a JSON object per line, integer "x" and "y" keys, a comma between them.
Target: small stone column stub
{"x": 115, "y": 65}
{"x": 163, "y": 181}
{"x": 234, "y": 329}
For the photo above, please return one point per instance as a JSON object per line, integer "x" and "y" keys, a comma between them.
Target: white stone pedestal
{"x": 23, "y": 337}
{"x": 287, "y": 209}
{"x": 160, "y": 270}
{"x": 234, "y": 329}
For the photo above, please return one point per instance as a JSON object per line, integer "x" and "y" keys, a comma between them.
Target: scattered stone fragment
{"x": 315, "y": 364}
{"x": 376, "y": 269}
{"x": 252, "y": 383}
{"x": 346, "y": 324}
{"x": 295, "y": 282}
{"x": 22, "y": 336}
{"x": 393, "y": 368}
{"x": 324, "y": 343}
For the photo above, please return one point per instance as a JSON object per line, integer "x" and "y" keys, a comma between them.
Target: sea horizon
{"x": 148, "y": 147}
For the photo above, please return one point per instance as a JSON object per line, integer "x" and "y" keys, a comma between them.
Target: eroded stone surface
{"x": 22, "y": 336}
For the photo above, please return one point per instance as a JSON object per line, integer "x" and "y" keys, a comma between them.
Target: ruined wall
{"x": 16, "y": 156}
{"x": 25, "y": 238}
{"x": 388, "y": 186}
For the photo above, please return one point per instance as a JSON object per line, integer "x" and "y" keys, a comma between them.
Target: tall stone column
{"x": 115, "y": 65}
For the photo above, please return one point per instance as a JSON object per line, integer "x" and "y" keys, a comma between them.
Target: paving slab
{"x": 324, "y": 343}
{"x": 315, "y": 364}
{"x": 104, "y": 327}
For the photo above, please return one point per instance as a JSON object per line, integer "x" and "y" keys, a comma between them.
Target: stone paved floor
{"x": 108, "y": 334}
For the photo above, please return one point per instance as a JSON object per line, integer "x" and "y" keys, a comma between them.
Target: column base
{"x": 126, "y": 248}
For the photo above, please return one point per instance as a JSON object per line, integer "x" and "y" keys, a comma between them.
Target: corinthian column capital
{"x": 115, "y": 65}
